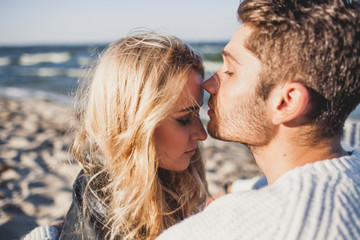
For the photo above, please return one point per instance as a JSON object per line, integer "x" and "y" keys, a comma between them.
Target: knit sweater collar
{"x": 349, "y": 163}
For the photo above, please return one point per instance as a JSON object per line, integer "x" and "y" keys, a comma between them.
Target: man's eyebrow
{"x": 229, "y": 55}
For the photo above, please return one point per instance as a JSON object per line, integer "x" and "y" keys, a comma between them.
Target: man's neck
{"x": 279, "y": 157}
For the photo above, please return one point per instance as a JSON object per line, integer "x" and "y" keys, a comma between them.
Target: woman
{"x": 137, "y": 144}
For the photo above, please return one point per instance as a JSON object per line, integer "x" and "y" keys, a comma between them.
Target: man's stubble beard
{"x": 245, "y": 123}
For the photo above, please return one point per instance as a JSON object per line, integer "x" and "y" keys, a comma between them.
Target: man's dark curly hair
{"x": 314, "y": 42}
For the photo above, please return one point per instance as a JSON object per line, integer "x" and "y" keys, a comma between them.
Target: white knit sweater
{"x": 45, "y": 232}
{"x": 316, "y": 201}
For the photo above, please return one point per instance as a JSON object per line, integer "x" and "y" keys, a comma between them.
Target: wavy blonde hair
{"x": 136, "y": 83}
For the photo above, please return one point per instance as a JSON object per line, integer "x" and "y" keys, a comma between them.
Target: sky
{"x": 29, "y": 22}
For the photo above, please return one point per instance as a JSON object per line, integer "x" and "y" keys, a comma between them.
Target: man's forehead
{"x": 235, "y": 49}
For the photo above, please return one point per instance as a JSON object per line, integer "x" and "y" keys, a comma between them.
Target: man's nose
{"x": 210, "y": 85}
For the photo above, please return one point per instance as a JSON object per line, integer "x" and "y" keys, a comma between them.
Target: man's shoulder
{"x": 296, "y": 201}
{"x": 234, "y": 214}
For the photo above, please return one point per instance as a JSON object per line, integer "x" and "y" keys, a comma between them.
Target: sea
{"x": 52, "y": 73}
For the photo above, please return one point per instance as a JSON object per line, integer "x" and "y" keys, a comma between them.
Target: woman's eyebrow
{"x": 192, "y": 108}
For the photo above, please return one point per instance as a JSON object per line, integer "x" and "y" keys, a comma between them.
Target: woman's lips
{"x": 191, "y": 152}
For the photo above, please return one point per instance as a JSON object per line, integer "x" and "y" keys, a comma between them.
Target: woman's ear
{"x": 291, "y": 102}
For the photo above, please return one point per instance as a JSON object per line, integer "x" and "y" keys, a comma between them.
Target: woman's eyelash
{"x": 188, "y": 118}
{"x": 183, "y": 122}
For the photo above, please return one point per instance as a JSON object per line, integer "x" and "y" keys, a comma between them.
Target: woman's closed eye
{"x": 188, "y": 118}
{"x": 184, "y": 121}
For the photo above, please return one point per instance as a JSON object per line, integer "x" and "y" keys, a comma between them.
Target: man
{"x": 290, "y": 79}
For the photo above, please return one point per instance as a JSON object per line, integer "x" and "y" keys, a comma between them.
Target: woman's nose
{"x": 199, "y": 133}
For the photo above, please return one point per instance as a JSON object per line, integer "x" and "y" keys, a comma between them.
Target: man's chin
{"x": 212, "y": 128}
{"x": 218, "y": 132}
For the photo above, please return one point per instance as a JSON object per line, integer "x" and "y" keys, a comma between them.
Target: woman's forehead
{"x": 192, "y": 94}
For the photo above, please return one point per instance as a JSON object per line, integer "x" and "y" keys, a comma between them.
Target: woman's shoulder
{"x": 85, "y": 218}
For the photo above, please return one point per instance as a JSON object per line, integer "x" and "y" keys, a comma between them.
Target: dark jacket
{"x": 80, "y": 225}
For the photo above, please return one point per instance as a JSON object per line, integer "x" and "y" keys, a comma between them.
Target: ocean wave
{"x": 36, "y": 58}
{"x": 4, "y": 61}
{"x": 53, "y": 72}
{"x": 24, "y": 93}
{"x": 84, "y": 61}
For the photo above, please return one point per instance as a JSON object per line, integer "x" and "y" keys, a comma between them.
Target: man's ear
{"x": 290, "y": 103}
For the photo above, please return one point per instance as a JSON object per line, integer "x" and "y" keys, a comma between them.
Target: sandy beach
{"x": 37, "y": 171}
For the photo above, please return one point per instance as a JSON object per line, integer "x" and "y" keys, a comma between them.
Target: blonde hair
{"x": 136, "y": 82}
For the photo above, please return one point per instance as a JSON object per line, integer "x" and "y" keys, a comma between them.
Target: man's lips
{"x": 210, "y": 111}
{"x": 210, "y": 104}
